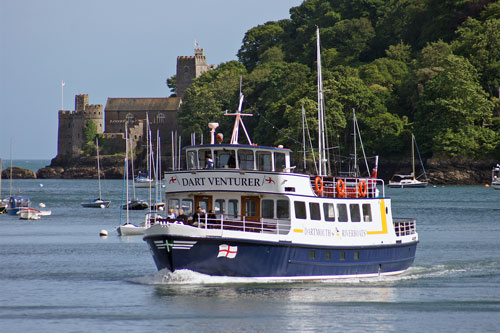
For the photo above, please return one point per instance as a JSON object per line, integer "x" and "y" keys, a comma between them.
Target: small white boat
{"x": 410, "y": 181}
{"x": 29, "y": 214}
{"x": 495, "y": 177}
{"x": 143, "y": 182}
{"x": 45, "y": 212}
{"x": 129, "y": 229}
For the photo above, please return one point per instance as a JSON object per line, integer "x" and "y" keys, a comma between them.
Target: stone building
{"x": 131, "y": 111}
{"x": 71, "y": 124}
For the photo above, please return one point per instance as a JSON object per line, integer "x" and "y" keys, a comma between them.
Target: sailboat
{"x": 410, "y": 181}
{"x": 129, "y": 229}
{"x": 98, "y": 202}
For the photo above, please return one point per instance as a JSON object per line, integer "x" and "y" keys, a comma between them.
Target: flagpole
{"x": 62, "y": 94}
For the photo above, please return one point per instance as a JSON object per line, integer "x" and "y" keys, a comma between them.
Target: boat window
{"x": 342, "y": 209}
{"x": 245, "y": 159}
{"x": 355, "y": 215}
{"x": 187, "y": 206}
{"x": 202, "y": 153}
{"x": 356, "y": 255}
{"x": 264, "y": 161}
{"x": 314, "y": 211}
{"x": 267, "y": 208}
{"x": 342, "y": 255}
{"x": 300, "y": 209}
{"x": 250, "y": 208}
{"x": 173, "y": 204}
{"x": 232, "y": 208}
{"x": 225, "y": 159}
{"x": 329, "y": 212}
{"x": 367, "y": 213}
{"x": 282, "y": 209}
{"x": 220, "y": 205}
{"x": 312, "y": 254}
{"x": 191, "y": 160}
{"x": 279, "y": 162}
{"x": 328, "y": 255}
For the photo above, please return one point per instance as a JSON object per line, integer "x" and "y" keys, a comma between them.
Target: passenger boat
{"x": 495, "y": 177}
{"x": 270, "y": 222}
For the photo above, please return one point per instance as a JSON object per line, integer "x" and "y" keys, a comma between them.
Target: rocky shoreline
{"x": 439, "y": 172}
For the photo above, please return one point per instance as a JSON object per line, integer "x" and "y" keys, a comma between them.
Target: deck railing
{"x": 404, "y": 226}
{"x": 237, "y": 222}
{"x": 347, "y": 187}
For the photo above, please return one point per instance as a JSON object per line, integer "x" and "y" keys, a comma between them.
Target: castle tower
{"x": 71, "y": 124}
{"x": 189, "y": 68}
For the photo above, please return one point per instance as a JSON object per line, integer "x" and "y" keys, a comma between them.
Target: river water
{"x": 58, "y": 275}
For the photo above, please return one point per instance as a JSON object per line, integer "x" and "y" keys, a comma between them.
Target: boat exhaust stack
{"x": 212, "y": 127}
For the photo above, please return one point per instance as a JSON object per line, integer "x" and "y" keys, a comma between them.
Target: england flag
{"x": 227, "y": 251}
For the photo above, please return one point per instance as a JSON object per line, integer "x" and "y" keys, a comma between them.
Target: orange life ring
{"x": 362, "y": 188}
{"x": 340, "y": 188}
{"x": 318, "y": 185}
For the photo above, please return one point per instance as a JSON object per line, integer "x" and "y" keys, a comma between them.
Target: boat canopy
{"x": 237, "y": 156}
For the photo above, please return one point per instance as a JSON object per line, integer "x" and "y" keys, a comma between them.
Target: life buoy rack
{"x": 318, "y": 185}
{"x": 362, "y": 188}
{"x": 340, "y": 188}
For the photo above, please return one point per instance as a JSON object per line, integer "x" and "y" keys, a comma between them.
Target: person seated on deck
{"x": 181, "y": 217}
{"x": 198, "y": 217}
{"x": 209, "y": 162}
{"x": 171, "y": 214}
{"x": 212, "y": 218}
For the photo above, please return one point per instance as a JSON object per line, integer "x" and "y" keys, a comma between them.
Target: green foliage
{"x": 172, "y": 84}
{"x": 89, "y": 135}
{"x": 406, "y": 66}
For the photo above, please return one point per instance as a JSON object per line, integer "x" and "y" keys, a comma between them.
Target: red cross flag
{"x": 227, "y": 251}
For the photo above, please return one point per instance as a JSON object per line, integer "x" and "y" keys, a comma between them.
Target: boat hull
{"x": 495, "y": 185}
{"x": 130, "y": 230}
{"x": 239, "y": 258}
{"x": 415, "y": 185}
{"x": 100, "y": 204}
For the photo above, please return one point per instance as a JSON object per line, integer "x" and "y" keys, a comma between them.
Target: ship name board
{"x": 221, "y": 181}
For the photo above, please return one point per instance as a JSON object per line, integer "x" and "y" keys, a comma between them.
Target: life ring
{"x": 340, "y": 188}
{"x": 362, "y": 188}
{"x": 318, "y": 185}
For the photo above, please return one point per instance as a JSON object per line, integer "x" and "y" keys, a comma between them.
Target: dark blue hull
{"x": 277, "y": 260}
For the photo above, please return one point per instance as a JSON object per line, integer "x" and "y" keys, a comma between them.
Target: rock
{"x": 50, "y": 172}
{"x": 19, "y": 173}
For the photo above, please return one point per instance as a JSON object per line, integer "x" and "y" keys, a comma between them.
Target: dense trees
{"x": 421, "y": 66}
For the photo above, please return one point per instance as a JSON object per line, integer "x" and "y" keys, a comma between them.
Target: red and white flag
{"x": 63, "y": 83}
{"x": 196, "y": 43}
{"x": 227, "y": 251}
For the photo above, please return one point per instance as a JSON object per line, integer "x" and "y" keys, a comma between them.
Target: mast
{"x": 304, "y": 136}
{"x": 98, "y": 167}
{"x": 413, "y": 155}
{"x": 321, "y": 120}
{"x": 126, "y": 168}
{"x": 238, "y": 121}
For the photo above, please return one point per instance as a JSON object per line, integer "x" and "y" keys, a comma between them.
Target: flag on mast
{"x": 196, "y": 43}
{"x": 63, "y": 83}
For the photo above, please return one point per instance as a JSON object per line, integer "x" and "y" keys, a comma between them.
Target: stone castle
{"x": 131, "y": 111}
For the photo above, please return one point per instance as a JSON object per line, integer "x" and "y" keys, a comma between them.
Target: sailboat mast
{"x": 98, "y": 166}
{"x": 355, "y": 137}
{"x": 413, "y": 155}
{"x": 303, "y": 136}
{"x": 321, "y": 120}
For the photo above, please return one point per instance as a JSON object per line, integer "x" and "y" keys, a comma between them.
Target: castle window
{"x": 160, "y": 118}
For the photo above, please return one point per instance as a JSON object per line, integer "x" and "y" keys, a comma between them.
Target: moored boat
{"x": 495, "y": 177}
{"x": 16, "y": 203}
{"x": 410, "y": 181}
{"x": 29, "y": 214}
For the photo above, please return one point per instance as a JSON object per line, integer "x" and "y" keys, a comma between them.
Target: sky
{"x": 105, "y": 48}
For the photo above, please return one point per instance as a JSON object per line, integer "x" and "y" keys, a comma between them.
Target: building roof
{"x": 143, "y": 104}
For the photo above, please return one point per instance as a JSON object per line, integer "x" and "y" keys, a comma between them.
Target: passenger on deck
{"x": 209, "y": 162}
{"x": 181, "y": 217}
{"x": 171, "y": 214}
{"x": 198, "y": 217}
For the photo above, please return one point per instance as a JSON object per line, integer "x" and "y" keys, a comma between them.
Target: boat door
{"x": 204, "y": 201}
{"x": 250, "y": 210}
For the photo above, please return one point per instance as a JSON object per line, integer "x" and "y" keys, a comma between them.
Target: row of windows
{"x": 328, "y": 255}
{"x": 330, "y": 214}
{"x": 246, "y": 159}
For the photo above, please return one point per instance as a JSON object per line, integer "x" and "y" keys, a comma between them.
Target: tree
{"x": 453, "y": 112}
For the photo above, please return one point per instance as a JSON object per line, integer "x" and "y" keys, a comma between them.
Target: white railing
{"x": 347, "y": 187}
{"x": 237, "y": 223}
{"x": 405, "y": 226}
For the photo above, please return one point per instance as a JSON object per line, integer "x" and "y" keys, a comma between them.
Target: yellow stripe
{"x": 384, "y": 220}
{"x": 298, "y": 230}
